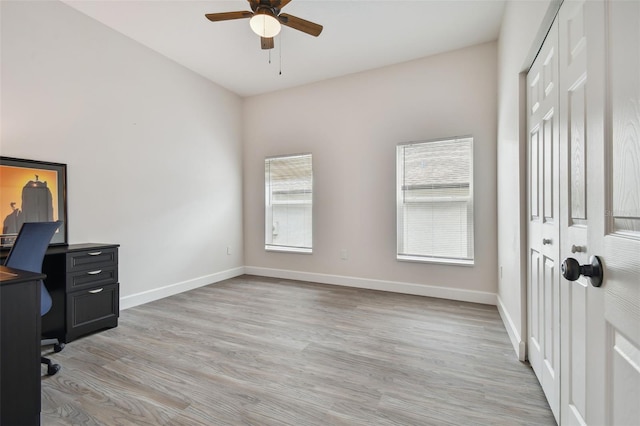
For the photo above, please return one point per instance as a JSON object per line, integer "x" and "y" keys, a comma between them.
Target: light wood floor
{"x": 260, "y": 351}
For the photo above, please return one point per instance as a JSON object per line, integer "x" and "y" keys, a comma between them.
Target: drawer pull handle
{"x": 95, "y": 253}
{"x": 97, "y": 290}
{"x": 99, "y": 271}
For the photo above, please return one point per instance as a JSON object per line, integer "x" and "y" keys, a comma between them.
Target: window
{"x": 288, "y": 203}
{"x": 435, "y": 201}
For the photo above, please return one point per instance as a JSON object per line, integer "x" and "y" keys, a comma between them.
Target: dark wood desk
{"x": 19, "y": 347}
{"x": 82, "y": 280}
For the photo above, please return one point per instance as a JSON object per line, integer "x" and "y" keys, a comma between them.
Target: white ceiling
{"x": 358, "y": 35}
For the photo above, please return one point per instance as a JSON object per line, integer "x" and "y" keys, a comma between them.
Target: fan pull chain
{"x": 280, "y": 51}
{"x": 269, "y": 55}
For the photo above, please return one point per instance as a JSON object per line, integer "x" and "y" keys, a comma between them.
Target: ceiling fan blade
{"x": 226, "y": 16}
{"x": 266, "y": 42}
{"x": 300, "y": 24}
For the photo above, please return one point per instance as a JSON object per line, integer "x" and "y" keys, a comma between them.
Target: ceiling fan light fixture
{"x": 265, "y": 25}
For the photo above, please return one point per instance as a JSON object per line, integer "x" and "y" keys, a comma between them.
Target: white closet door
{"x": 543, "y": 215}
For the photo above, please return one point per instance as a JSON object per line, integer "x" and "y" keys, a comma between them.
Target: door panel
{"x": 550, "y": 180}
{"x": 625, "y": 391}
{"x": 535, "y": 319}
{"x": 551, "y": 299}
{"x": 577, "y": 167}
{"x": 534, "y": 165}
{"x": 624, "y": 83}
{"x": 577, "y": 350}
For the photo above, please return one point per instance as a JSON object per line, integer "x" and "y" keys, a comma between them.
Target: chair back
{"x": 30, "y": 246}
{"x": 28, "y": 250}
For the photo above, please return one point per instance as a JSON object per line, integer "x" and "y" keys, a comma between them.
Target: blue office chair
{"x": 27, "y": 253}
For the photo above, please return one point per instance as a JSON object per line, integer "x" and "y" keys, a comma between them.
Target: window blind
{"x": 435, "y": 201}
{"x": 289, "y": 203}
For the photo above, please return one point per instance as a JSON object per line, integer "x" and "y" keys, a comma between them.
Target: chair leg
{"x": 51, "y": 367}
{"x": 57, "y": 344}
{"x": 57, "y": 347}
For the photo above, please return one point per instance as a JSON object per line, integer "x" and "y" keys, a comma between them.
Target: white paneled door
{"x": 613, "y": 154}
{"x": 598, "y": 45}
{"x": 582, "y": 100}
{"x": 544, "y": 234}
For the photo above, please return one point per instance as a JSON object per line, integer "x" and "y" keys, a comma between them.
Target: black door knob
{"x": 572, "y": 270}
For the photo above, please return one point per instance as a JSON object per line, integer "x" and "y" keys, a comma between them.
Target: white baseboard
{"x": 519, "y": 346}
{"x": 371, "y": 284}
{"x": 169, "y": 290}
{"x": 367, "y": 283}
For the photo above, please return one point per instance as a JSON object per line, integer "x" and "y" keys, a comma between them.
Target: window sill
{"x": 283, "y": 249}
{"x": 435, "y": 260}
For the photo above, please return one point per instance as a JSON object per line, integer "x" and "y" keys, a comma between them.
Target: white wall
{"x": 154, "y": 151}
{"x": 154, "y": 155}
{"x": 521, "y": 34}
{"x": 351, "y": 125}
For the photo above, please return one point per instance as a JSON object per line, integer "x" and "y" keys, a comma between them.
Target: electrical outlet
{"x": 228, "y": 251}
{"x": 344, "y": 254}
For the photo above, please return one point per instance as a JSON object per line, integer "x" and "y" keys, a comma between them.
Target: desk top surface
{"x": 66, "y": 248}
{"x": 14, "y": 276}
{"x": 79, "y": 247}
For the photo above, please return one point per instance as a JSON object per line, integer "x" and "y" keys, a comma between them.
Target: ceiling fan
{"x": 266, "y": 19}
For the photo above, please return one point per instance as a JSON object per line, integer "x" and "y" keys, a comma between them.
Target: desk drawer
{"x": 92, "y": 310}
{"x": 92, "y": 278}
{"x": 92, "y": 259}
